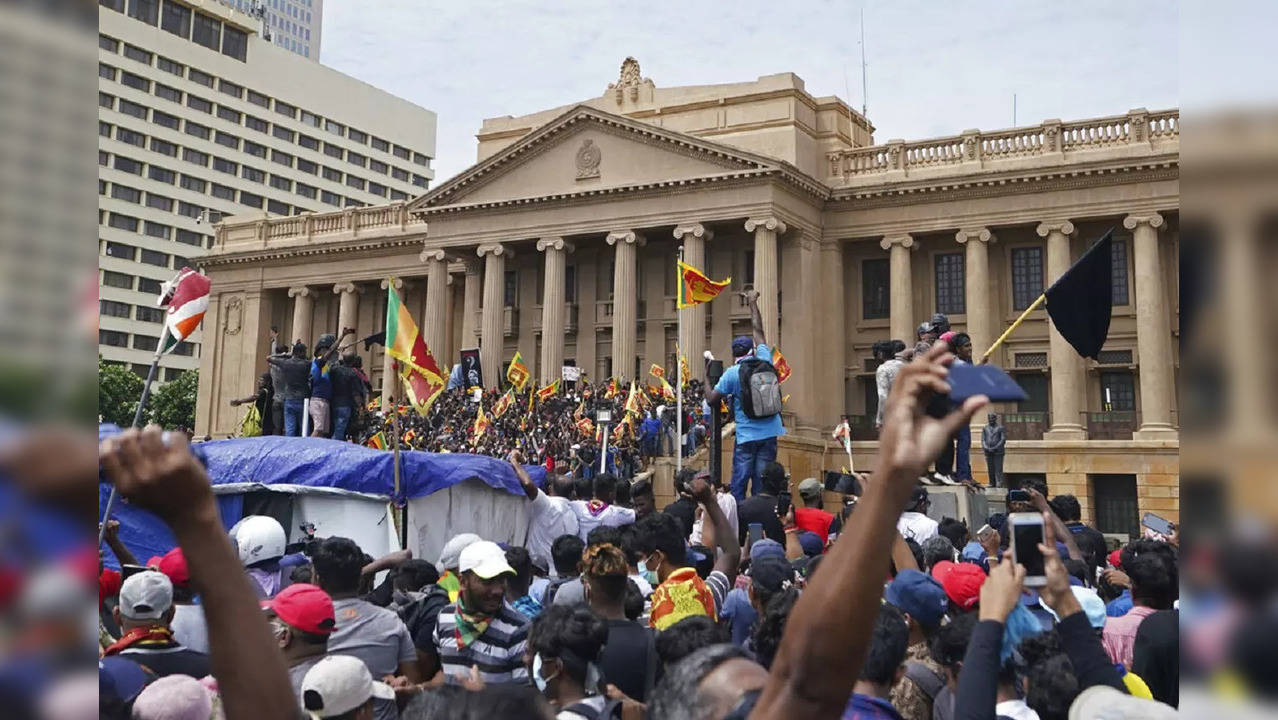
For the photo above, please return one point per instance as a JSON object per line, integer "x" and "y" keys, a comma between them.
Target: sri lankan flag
{"x": 481, "y": 425}
{"x": 666, "y": 391}
{"x": 504, "y": 403}
{"x": 619, "y": 432}
{"x": 612, "y": 389}
{"x": 657, "y": 371}
{"x": 694, "y": 287}
{"x": 517, "y": 372}
{"x": 423, "y": 381}
{"x": 685, "y": 375}
{"x": 783, "y": 367}
{"x": 548, "y": 392}
{"x": 377, "y": 442}
{"x": 586, "y": 427}
{"x": 580, "y": 412}
{"x": 409, "y": 436}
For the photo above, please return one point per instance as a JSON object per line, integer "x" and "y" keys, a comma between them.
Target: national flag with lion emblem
{"x": 694, "y": 287}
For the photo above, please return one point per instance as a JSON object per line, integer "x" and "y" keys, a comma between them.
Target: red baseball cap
{"x": 305, "y": 607}
{"x": 962, "y": 582}
{"x": 173, "y": 564}
{"x": 1116, "y": 559}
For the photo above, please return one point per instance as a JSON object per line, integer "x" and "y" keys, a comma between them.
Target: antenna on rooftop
{"x": 865, "y": 100}
{"x": 1013, "y": 109}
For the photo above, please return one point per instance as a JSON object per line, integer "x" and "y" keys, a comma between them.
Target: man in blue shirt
{"x": 756, "y": 438}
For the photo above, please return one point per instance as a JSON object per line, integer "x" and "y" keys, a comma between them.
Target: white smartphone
{"x": 1027, "y": 534}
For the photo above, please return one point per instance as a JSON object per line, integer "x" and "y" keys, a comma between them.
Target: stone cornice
{"x": 363, "y": 245}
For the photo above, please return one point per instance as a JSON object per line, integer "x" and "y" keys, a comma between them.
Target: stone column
{"x": 435, "y": 321}
{"x": 978, "y": 293}
{"x": 471, "y": 293}
{"x": 1153, "y": 336}
{"x": 390, "y": 385}
{"x": 625, "y": 301}
{"x": 831, "y": 350}
{"x": 347, "y": 306}
{"x": 491, "y": 337}
{"x": 692, "y": 340}
{"x": 1068, "y": 380}
{"x": 901, "y": 288}
{"x": 303, "y": 311}
{"x": 553, "y": 307}
{"x": 766, "y": 229}
{"x": 802, "y": 331}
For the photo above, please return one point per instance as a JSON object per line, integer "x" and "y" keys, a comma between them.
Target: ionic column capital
{"x": 767, "y": 222}
{"x": 1154, "y": 220}
{"x": 346, "y": 287}
{"x": 432, "y": 256}
{"x": 554, "y": 243}
{"x": 696, "y": 230}
{"x": 301, "y": 291}
{"x": 494, "y": 249}
{"x": 980, "y": 234}
{"x": 629, "y": 237}
{"x": 397, "y": 282}
{"x": 906, "y": 241}
{"x": 1064, "y": 227}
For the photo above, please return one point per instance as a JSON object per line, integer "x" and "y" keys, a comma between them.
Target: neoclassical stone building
{"x": 560, "y": 243}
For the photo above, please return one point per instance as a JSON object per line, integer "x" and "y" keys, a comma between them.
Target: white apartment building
{"x": 293, "y": 24}
{"x": 199, "y": 119}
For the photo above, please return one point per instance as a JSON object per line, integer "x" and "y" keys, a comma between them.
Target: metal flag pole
{"x": 137, "y": 422}
{"x": 403, "y": 509}
{"x": 678, "y": 383}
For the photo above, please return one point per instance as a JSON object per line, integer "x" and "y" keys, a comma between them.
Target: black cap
{"x": 771, "y": 573}
{"x": 918, "y": 496}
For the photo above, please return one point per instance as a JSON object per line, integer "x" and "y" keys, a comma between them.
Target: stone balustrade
{"x": 255, "y": 233}
{"x": 1052, "y": 140}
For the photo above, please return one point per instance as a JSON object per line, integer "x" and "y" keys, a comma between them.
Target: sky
{"x": 934, "y": 68}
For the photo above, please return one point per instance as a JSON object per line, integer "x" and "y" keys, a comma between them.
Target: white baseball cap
{"x": 486, "y": 559}
{"x": 146, "y": 596}
{"x": 338, "y": 684}
{"x": 452, "y": 550}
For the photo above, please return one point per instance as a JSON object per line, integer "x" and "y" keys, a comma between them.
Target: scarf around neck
{"x": 470, "y": 624}
{"x": 141, "y": 636}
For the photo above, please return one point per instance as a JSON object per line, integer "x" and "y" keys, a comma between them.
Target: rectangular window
{"x": 194, "y": 184}
{"x": 570, "y": 284}
{"x": 136, "y": 53}
{"x": 196, "y": 102}
{"x": 357, "y": 136}
{"x": 256, "y": 123}
{"x": 1119, "y": 260}
{"x": 307, "y": 191}
{"x": 310, "y": 118}
{"x": 188, "y": 210}
{"x": 160, "y": 174}
{"x": 949, "y": 270}
{"x": 113, "y": 338}
{"x": 235, "y": 43}
{"x": 104, "y": 158}
{"x": 195, "y": 156}
{"x": 1027, "y": 276}
{"x": 187, "y": 237}
{"x": 228, "y": 114}
{"x": 151, "y": 257}
{"x": 377, "y": 166}
{"x": 510, "y": 290}
{"x": 149, "y": 286}
{"x": 109, "y": 44}
{"x": 332, "y": 150}
{"x": 133, "y": 109}
{"x": 176, "y": 19}
{"x": 281, "y": 183}
{"x": 277, "y": 207}
{"x": 159, "y": 202}
{"x": 148, "y": 314}
{"x": 148, "y": 11}
{"x": 121, "y": 251}
{"x": 184, "y": 348}
{"x": 380, "y": 144}
{"x": 126, "y": 135}
{"x": 876, "y": 290}
{"x": 123, "y": 222}
{"x": 253, "y": 174}
{"x": 170, "y": 66}
{"x": 330, "y": 198}
{"x": 203, "y": 132}
{"x": 230, "y": 88}
{"x": 398, "y": 195}
{"x": 106, "y": 100}
{"x": 419, "y": 180}
{"x": 255, "y": 149}
{"x": 399, "y": 174}
{"x": 307, "y": 166}
{"x": 281, "y": 158}
{"x": 145, "y": 342}
{"x": 206, "y": 31}
{"x": 226, "y": 166}
{"x": 126, "y": 193}
{"x": 403, "y": 153}
{"x": 259, "y": 99}
{"x": 1117, "y": 506}
{"x": 164, "y": 119}
{"x": 420, "y": 159}
{"x": 227, "y": 140}
{"x": 128, "y": 165}
{"x": 1118, "y": 391}
{"x": 111, "y": 308}
{"x": 106, "y": 72}
{"x": 104, "y": 129}
{"x": 335, "y": 128}
{"x": 308, "y": 142}
{"x": 222, "y": 192}
{"x": 168, "y": 93}
{"x": 137, "y": 82}
{"x": 284, "y": 108}
{"x": 283, "y": 133}
{"x": 156, "y": 230}
{"x": 180, "y": 262}
{"x": 250, "y": 199}
{"x": 117, "y": 280}
{"x": 355, "y": 182}
{"x": 200, "y": 77}
{"x": 164, "y": 147}
{"x": 355, "y": 159}
{"x": 377, "y": 189}
{"x": 331, "y": 174}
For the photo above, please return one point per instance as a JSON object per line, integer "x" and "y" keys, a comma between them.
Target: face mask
{"x": 648, "y": 575}
{"x": 538, "y": 680}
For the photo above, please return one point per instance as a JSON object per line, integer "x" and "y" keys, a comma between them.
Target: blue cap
{"x": 919, "y": 596}
{"x": 766, "y": 548}
{"x": 810, "y": 542}
{"x": 742, "y": 345}
{"x": 974, "y": 552}
{"x": 121, "y": 678}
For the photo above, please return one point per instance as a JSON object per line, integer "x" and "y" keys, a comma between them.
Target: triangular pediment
{"x": 586, "y": 150}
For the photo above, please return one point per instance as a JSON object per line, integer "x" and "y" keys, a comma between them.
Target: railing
{"x": 1025, "y": 425}
{"x": 570, "y": 318}
{"x": 1050, "y": 139}
{"x": 509, "y": 321}
{"x": 308, "y": 227}
{"x": 1115, "y": 425}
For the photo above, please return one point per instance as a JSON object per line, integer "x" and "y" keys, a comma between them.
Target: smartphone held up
{"x": 1027, "y": 535}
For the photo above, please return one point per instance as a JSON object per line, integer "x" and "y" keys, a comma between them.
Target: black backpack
{"x": 760, "y": 388}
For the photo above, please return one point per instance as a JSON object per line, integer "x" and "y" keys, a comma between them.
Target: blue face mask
{"x": 649, "y": 575}
{"x": 537, "y": 679}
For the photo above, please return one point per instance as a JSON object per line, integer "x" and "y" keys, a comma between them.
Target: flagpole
{"x": 985, "y": 356}
{"x": 137, "y": 422}
{"x": 679, "y": 379}
{"x": 403, "y": 509}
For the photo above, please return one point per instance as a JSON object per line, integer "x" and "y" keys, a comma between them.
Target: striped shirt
{"x": 498, "y": 653}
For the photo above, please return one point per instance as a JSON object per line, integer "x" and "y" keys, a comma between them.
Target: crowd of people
{"x": 716, "y": 606}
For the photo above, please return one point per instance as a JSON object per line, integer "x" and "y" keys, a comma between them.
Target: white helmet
{"x": 258, "y": 538}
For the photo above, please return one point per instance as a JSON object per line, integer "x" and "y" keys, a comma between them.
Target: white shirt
{"x": 189, "y": 627}
{"x": 728, "y": 505}
{"x": 917, "y": 527}
{"x": 548, "y": 518}
{"x": 1015, "y": 709}
{"x": 608, "y": 516}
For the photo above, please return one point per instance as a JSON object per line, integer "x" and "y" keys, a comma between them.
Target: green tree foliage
{"x": 172, "y": 405}
{"x": 118, "y": 393}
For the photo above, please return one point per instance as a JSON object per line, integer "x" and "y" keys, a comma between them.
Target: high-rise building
{"x": 200, "y": 119}
{"x": 292, "y": 24}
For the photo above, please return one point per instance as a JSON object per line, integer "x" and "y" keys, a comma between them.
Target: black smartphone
{"x": 128, "y": 571}
{"x": 783, "y": 503}
{"x": 1162, "y": 526}
{"x": 755, "y": 533}
{"x": 1027, "y": 534}
{"x": 1018, "y": 496}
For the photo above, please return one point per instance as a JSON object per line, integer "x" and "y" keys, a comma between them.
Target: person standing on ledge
{"x": 752, "y": 384}
{"x": 993, "y": 442}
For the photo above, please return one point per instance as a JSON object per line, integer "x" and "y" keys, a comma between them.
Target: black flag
{"x": 377, "y": 338}
{"x": 1081, "y": 300}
